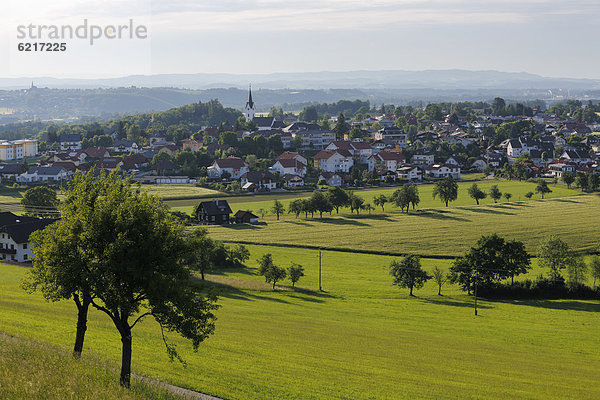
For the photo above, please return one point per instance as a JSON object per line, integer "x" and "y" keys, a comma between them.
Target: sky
{"x": 555, "y": 38}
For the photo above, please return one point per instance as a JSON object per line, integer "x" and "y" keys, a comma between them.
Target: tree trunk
{"x": 125, "y": 379}
{"x": 82, "y": 311}
{"x": 477, "y": 200}
{"x": 446, "y": 203}
{"x": 411, "y": 290}
{"x": 274, "y": 285}
{"x": 202, "y": 273}
{"x": 439, "y": 290}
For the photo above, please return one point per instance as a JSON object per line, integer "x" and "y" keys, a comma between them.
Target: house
{"x": 292, "y": 181}
{"x": 443, "y": 171}
{"x": 264, "y": 123}
{"x": 12, "y": 170}
{"x": 392, "y": 135}
{"x": 334, "y": 160}
{"x": 14, "y": 235}
{"x": 18, "y": 149}
{"x": 578, "y": 156}
{"x": 315, "y": 138}
{"x": 245, "y": 217}
{"x": 70, "y": 141}
{"x": 293, "y": 155}
{"x": 75, "y": 156}
{"x": 235, "y": 167}
{"x": 411, "y": 173}
{"x": 289, "y": 166}
{"x": 109, "y": 163}
{"x": 479, "y": 164}
{"x": 96, "y": 152}
{"x": 386, "y": 160}
{"x": 43, "y": 174}
{"x": 163, "y": 180}
{"x": 422, "y": 157}
{"x": 361, "y": 151}
{"x": 166, "y": 167}
{"x": 215, "y": 212}
{"x": 263, "y": 180}
{"x": 191, "y": 144}
{"x": 556, "y": 169}
{"x": 125, "y": 146}
{"x": 331, "y": 178}
{"x": 452, "y": 161}
{"x": 168, "y": 148}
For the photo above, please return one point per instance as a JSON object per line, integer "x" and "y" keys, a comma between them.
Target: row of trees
{"x": 585, "y": 181}
{"x": 274, "y": 273}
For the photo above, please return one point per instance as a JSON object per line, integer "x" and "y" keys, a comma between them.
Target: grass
{"x": 180, "y": 191}
{"x": 433, "y": 231}
{"x": 363, "y": 338}
{"x": 32, "y": 370}
{"x": 265, "y": 201}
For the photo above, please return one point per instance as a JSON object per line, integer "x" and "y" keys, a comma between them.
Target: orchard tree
{"x": 568, "y": 178}
{"x": 275, "y": 274}
{"x": 446, "y": 190}
{"x": 41, "y": 200}
{"x": 413, "y": 195}
{"x": 495, "y": 193}
{"x": 278, "y": 208}
{"x": 476, "y": 193}
{"x": 320, "y": 203}
{"x": 200, "y": 251}
{"x": 379, "y": 201}
{"x": 542, "y": 188}
{"x": 529, "y": 195}
{"x": 401, "y": 198}
{"x": 337, "y": 196}
{"x": 581, "y": 181}
{"x": 440, "y": 278}
{"x": 295, "y": 272}
{"x": 555, "y": 255}
{"x": 296, "y": 207}
{"x": 507, "y": 196}
{"x": 265, "y": 262}
{"x": 576, "y": 272}
{"x": 356, "y": 203}
{"x": 408, "y": 273}
{"x": 595, "y": 268}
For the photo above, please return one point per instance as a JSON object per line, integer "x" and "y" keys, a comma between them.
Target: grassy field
{"x": 265, "y": 201}
{"x": 433, "y": 231}
{"x": 175, "y": 191}
{"x": 31, "y": 370}
{"x": 361, "y": 339}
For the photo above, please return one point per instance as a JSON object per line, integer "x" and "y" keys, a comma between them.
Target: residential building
{"x": 331, "y": 178}
{"x": 289, "y": 166}
{"x": 126, "y": 146}
{"x": 411, "y": 173}
{"x": 215, "y": 212}
{"x": 443, "y": 171}
{"x": 70, "y": 141}
{"x": 18, "y": 149}
{"x": 393, "y": 136}
{"x": 245, "y": 217}
{"x": 43, "y": 174}
{"x": 334, "y": 160}
{"x": 422, "y": 157}
{"x": 263, "y": 180}
{"x": 191, "y": 144}
{"x": 235, "y": 167}
{"x": 386, "y": 161}
{"x": 14, "y": 235}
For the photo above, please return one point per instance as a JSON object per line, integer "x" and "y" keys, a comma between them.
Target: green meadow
{"x": 361, "y": 338}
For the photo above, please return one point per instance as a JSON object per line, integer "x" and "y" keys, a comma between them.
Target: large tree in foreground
{"x": 62, "y": 265}
{"x": 133, "y": 260}
{"x": 446, "y": 190}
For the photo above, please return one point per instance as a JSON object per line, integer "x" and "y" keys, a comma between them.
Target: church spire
{"x": 249, "y": 109}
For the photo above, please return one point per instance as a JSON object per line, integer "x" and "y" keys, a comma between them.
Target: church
{"x": 262, "y": 123}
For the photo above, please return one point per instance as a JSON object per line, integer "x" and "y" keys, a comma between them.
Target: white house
{"x": 557, "y": 169}
{"x": 289, "y": 166}
{"x": 386, "y": 161}
{"x": 331, "y": 178}
{"x": 70, "y": 141}
{"x": 292, "y": 181}
{"x": 392, "y": 135}
{"x": 423, "y": 157}
{"x": 410, "y": 173}
{"x": 42, "y": 174}
{"x": 263, "y": 180}
{"x": 334, "y": 160}
{"x": 361, "y": 151}
{"x": 234, "y": 166}
{"x": 126, "y": 146}
{"x": 14, "y": 235}
{"x": 443, "y": 171}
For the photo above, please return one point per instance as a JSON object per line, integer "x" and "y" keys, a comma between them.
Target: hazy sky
{"x": 547, "y": 37}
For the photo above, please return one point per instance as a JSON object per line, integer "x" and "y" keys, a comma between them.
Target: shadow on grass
{"x": 341, "y": 221}
{"x": 566, "y": 201}
{"x": 568, "y": 305}
{"x": 221, "y": 271}
{"x": 231, "y": 292}
{"x": 521, "y": 204}
{"x": 486, "y": 211}
{"x": 240, "y": 227}
{"x": 439, "y": 214}
{"x": 447, "y": 301}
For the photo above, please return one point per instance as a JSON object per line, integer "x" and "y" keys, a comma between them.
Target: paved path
{"x": 185, "y": 393}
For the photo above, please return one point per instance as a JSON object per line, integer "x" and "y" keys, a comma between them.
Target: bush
{"x": 541, "y": 288}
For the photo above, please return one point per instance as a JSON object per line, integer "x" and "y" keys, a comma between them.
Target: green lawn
{"x": 362, "y": 339}
{"x": 265, "y": 201}
{"x": 178, "y": 191}
{"x": 433, "y": 231}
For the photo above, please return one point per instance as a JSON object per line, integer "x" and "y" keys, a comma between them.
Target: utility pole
{"x": 320, "y": 287}
{"x": 476, "y": 279}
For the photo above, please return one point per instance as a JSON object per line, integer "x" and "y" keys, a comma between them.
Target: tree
{"x": 489, "y": 261}
{"x": 568, "y": 178}
{"x": 593, "y": 181}
{"x": 265, "y": 262}
{"x": 401, "y": 198}
{"x": 61, "y": 268}
{"x": 446, "y": 190}
{"x": 379, "y": 201}
{"x": 595, "y": 268}
{"x": 476, "y": 193}
{"x": 581, "y": 181}
{"x": 408, "y": 273}
{"x": 199, "y": 256}
{"x": 40, "y": 200}
{"x": 440, "y": 278}
{"x": 278, "y": 208}
{"x": 295, "y": 272}
{"x": 341, "y": 127}
{"x": 542, "y": 188}
{"x": 498, "y": 106}
{"x": 356, "y": 202}
{"x": 507, "y": 196}
{"x": 275, "y": 274}
{"x": 495, "y": 193}
{"x": 296, "y": 207}
{"x": 413, "y": 195}
{"x": 309, "y": 114}
{"x": 529, "y": 195}
{"x": 554, "y": 254}
{"x": 136, "y": 253}
{"x": 320, "y": 203}
{"x": 576, "y": 272}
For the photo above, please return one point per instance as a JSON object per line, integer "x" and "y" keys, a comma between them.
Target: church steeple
{"x": 249, "y": 109}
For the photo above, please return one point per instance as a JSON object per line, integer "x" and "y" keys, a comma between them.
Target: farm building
{"x": 215, "y": 212}
{"x": 245, "y": 217}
